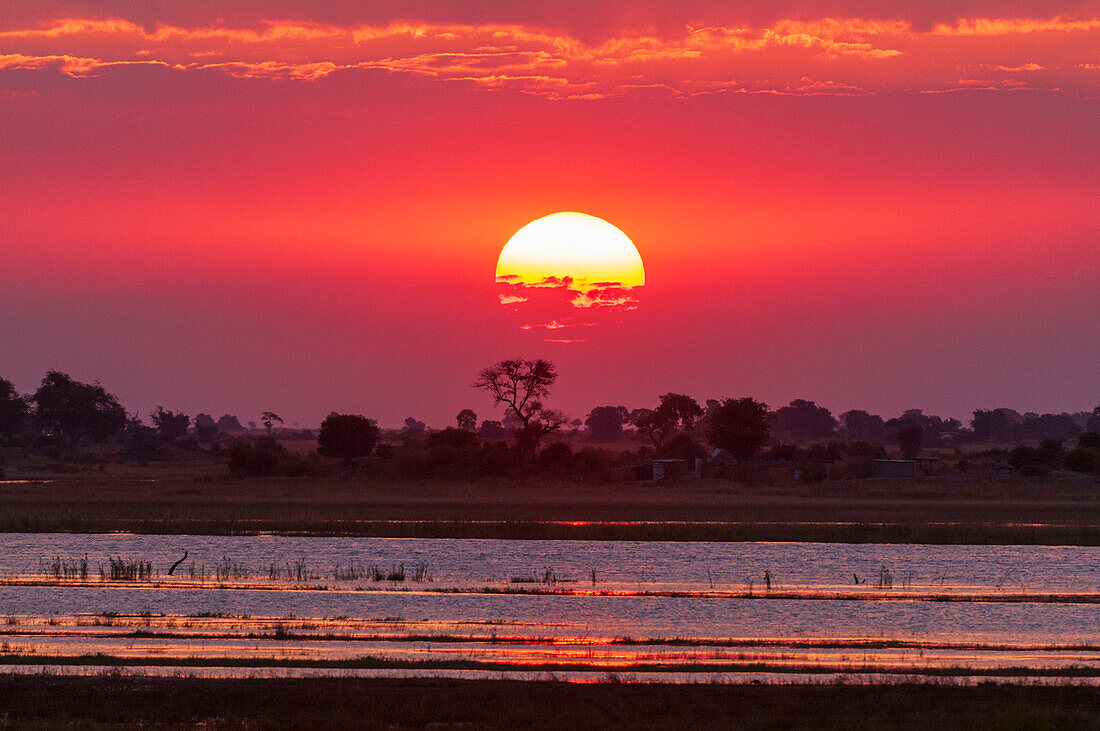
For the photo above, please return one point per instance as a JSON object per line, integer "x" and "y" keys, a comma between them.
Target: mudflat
{"x": 45, "y": 701}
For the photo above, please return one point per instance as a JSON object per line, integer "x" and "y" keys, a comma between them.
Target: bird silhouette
{"x": 177, "y": 563}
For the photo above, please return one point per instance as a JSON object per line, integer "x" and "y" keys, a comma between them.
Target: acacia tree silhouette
{"x": 270, "y": 418}
{"x": 520, "y": 385}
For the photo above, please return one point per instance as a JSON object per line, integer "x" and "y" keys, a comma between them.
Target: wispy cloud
{"x": 559, "y": 305}
{"x": 796, "y": 57}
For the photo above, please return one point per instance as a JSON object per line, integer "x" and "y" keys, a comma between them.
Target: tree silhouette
{"x": 859, "y": 424}
{"x": 170, "y": 425}
{"x": 270, "y": 418}
{"x": 205, "y": 427}
{"x": 803, "y": 421}
{"x": 414, "y": 430}
{"x": 658, "y": 424}
{"x": 228, "y": 422}
{"x": 347, "y": 437}
{"x": 520, "y": 385}
{"x": 77, "y": 411}
{"x": 605, "y": 423}
{"x": 739, "y": 426}
{"x": 682, "y": 409}
{"x": 13, "y": 410}
{"x": 910, "y": 438}
{"x": 492, "y": 430}
{"x": 1093, "y": 424}
{"x": 467, "y": 420}
{"x": 994, "y": 424}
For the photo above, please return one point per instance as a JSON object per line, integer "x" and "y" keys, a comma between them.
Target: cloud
{"x": 1015, "y": 26}
{"x": 74, "y": 66}
{"x": 556, "y": 324}
{"x": 831, "y": 55}
{"x": 1022, "y": 67}
{"x": 561, "y": 305}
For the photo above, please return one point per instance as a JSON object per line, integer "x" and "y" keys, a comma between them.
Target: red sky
{"x": 241, "y": 206}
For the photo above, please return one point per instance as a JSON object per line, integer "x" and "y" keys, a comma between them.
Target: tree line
{"x": 64, "y": 416}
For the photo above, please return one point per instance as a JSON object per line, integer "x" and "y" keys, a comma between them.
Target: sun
{"x": 569, "y": 247}
{"x": 568, "y": 272}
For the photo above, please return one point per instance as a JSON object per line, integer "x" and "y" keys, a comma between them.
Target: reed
{"x": 547, "y": 577}
{"x": 350, "y": 572}
{"x": 68, "y": 568}
{"x": 885, "y": 578}
{"x": 228, "y": 569}
{"x": 128, "y": 570}
{"x": 396, "y": 573}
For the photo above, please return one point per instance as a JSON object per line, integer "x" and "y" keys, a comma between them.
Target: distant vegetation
{"x": 65, "y": 424}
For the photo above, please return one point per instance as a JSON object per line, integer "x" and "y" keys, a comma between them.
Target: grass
{"x": 285, "y": 632}
{"x": 372, "y": 662}
{"x": 58, "y": 701}
{"x": 947, "y": 511}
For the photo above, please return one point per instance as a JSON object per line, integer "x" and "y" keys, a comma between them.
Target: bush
{"x": 812, "y": 474}
{"x": 592, "y": 461}
{"x": 347, "y": 436}
{"x": 265, "y": 458}
{"x": 1034, "y": 470}
{"x": 556, "y": 459}
{"x": 862, "y": 449}
{"x": 682, "y": 446}
{"x": 253, "y": 460}
{"x": 1083, "y": 460}
{"x": 1022, "y": 456}
{"x": 453, "y": 453}
{"x": 785, "y": 452}
{"x": 826, "y": 454}
{"x": 497, "y": 460}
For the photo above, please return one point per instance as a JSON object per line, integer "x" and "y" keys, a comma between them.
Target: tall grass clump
{"x": 548, "y": 577}
{"x": 885, "y": 578}
{"x": 67, "y": 568}
{"x": 351, "y": 572}
{"x": 228, "y": 569}
{"x": 297, "y": 571}
{"x": 128, "y": 570}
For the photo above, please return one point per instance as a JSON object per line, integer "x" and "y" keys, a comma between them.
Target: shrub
{"x": 812, "y": 474}
{"x": 682, "y": 446}
{"x": 1083, "y": 460}
{"x": 254, "y": 460}
{"x": 265, "y": 458}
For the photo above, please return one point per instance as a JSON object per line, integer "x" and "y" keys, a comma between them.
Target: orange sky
{"x": 266, "y": 206}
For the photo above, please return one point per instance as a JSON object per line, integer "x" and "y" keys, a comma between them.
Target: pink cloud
{"x": 829, "y": 55}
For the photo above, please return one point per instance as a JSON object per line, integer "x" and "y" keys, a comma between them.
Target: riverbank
{"x": 45, "y": 701}
{"x": 174, "y": 499}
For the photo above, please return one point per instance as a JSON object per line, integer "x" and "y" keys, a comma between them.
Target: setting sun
{"x": 566, "y": 271}
{"x": 585, "y": 249}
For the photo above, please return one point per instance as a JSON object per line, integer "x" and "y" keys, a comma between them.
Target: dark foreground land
{"x": 89, "y": 702}
{"x": 177, "y": 499}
